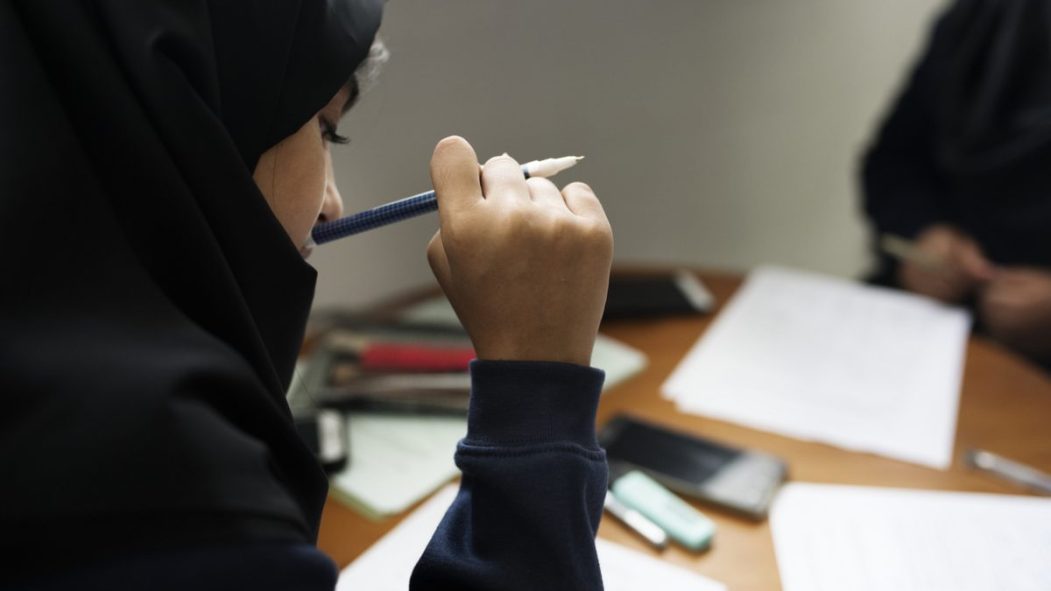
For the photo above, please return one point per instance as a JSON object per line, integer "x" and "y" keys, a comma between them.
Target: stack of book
{"x": 401, "y": 386}
{"x": 396, "y": 367}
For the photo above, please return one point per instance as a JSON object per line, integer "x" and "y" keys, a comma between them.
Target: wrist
{"x": 550, "y": 350}
{"x": 537, "y": 356}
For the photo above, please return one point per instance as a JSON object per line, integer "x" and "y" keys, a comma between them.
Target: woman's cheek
{"x": 291, "y": 176}
{"x": 307, "y": 187}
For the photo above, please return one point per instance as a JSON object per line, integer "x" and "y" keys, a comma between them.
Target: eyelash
{"x": 328, "y": 133}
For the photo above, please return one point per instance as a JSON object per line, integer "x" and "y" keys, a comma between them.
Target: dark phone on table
{"x": 737, "y": 479}
{"x": 657, "y": 295}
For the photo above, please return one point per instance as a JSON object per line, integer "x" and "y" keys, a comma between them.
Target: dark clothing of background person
{"x": 968, "y": 142}
{"x": 152, "y": 306}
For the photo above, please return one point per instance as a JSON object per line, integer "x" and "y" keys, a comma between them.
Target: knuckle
{"x": 600, "y": 236}
{"x": 507, "y": 219}
{"x": 598, "y": 230}
{"x": 509, "y": 210}
{"x": 549, "y": 217}
{"x": 540, "y": 183}
{"x": 535, "y": 224}
{"x": 580, "y": 187}
{"x": 553, "y": 227}
{"x": 538, "y": 225}
{"x": 590, "y": 235}
{"x": 500, "y": 161}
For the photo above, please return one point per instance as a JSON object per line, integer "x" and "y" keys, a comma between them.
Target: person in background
{"x": 163, "y": 166}
{"x": 962, "y": 166}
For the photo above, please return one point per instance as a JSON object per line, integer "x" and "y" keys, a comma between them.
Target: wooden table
{"x": 1005, "y": 407}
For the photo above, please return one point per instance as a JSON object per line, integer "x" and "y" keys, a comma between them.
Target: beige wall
{"x": 718, "y": 133}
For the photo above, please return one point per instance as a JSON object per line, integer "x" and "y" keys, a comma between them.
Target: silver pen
{"x": 1021, "y": 474}
{"x": 636, "y": 522}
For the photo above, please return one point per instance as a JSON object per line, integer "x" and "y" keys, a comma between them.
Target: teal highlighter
{"x": 683, "y": 523}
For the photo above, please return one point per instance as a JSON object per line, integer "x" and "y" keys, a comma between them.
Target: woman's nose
{"x": 332, "y": 205}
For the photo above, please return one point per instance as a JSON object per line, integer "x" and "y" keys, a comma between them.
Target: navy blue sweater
{"x": 529, "y": 505}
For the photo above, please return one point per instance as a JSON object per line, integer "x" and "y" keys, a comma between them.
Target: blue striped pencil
{"x": 416, "y": 205}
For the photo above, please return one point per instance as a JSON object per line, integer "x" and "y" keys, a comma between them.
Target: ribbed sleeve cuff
{"x": 530, "y": 402}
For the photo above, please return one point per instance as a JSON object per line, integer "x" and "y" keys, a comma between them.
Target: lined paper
{"x": 831, "y": 538}
{"x": 831, "y": 360}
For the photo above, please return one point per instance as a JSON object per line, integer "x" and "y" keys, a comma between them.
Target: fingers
{"x": 953, "y": 278}
{"x": 582, "y": 201}
{"x": 502, "y": 180}
{"x": 1016, "y": 287}
{"x": 996, "y": 294}
{"x": 526, "y": 275}
{"x": 1009, "y": 276}
{"x": 946, "y": 283}
{"x": 965, "y": 267}
{"x": 1000, "y": 309}
{"x": 544, "y": 192}
{"x": 970, "y": 260}
{"x": 454, "y": 172}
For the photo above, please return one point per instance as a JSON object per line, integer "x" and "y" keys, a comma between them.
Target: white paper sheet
{"x": 388, "y": 564}
{"x": 619, "y": 361}
{"x": 831, "y": 360}
{"x": 832, "y": 538}
{"x": 397, "y": 460}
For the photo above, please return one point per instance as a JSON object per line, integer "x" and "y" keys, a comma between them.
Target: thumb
{"x": 455, "y": 174}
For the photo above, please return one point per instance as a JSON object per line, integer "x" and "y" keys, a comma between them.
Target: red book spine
{"x": 399, "y": 357}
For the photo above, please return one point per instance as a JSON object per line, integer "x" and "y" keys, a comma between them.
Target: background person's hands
{"x": 962, "y": 270}
{"x": 1016, "y": 310}
{"x": 526, "y": 266}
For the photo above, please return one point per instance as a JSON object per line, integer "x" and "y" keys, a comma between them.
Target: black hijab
{"x": 152, "y": 306}
{"x": 993, "y": 93}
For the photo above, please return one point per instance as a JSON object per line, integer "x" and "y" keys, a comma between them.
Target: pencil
{"x": 417, "y": 205}
{"x": 906, "y": 250}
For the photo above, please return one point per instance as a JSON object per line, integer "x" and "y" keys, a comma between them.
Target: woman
{"x": 960, "y": 166}
{"x": 163, "y": 164}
